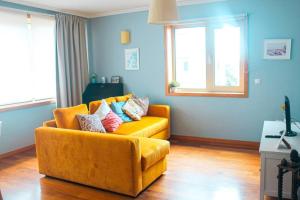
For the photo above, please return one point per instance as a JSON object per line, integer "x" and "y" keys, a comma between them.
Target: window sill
{"x": 24, "y": 105}
{"x": 209, "y": 94}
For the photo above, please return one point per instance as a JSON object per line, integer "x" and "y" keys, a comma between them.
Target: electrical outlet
{"x": 257, "y": 81}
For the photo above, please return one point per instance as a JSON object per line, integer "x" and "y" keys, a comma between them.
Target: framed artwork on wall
{"x": 132, "y": 59}
{"x": 115, "y": 79}
{"x": 277, "y": 49}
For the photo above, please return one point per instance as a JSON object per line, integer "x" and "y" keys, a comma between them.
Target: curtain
{"x": 72, "y": 63}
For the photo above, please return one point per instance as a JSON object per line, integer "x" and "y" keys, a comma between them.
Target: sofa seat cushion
{"x": 153, "y": 150}
{"x": 146, "y": 127}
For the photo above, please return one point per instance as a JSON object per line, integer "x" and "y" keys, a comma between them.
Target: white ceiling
{"x": 96, "y": 8}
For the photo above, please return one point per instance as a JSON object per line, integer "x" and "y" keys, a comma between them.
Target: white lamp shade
{"x": 162, "y": 12}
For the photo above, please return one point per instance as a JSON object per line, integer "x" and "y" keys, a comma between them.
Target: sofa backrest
{"x": 94, "y": 105}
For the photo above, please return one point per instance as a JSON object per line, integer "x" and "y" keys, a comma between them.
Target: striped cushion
{"x": 111, "y": 122}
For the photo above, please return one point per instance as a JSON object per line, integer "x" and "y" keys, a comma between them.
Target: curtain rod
{"x": 5, "y": 8}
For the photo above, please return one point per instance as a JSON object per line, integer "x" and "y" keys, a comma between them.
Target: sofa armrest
{"x": 159, "y": 111}
{"x": 50, "y": 123}
{"x": 105, "y": 161}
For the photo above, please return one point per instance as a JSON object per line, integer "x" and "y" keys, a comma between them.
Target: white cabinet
{"x": 271, "y": 156}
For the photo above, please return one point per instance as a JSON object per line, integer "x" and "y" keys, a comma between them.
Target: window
{"x": 27, "y": 57}
{"x": 207, "y": 57}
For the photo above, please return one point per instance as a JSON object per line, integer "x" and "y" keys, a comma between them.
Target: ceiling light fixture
{"x": 162, "y": 12}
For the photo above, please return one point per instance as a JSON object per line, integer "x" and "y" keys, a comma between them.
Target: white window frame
{"x": 210, "y": 90}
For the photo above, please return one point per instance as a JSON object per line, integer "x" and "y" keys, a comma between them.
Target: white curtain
{"x": 72, "y": 63}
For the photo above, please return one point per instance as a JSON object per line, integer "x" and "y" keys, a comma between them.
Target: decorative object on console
{"x": 103, "y": 79}
{"x": 125, "y": 37}
{"x": 93, "y": 78}
{"x": 117, "y": 108}
{"x": 162, "y": 12}
{"x": 90, "y": 123}
{"x": 132, "y": 59}
{"x": 277, "y": 49}
{"x": 115, "y": 79}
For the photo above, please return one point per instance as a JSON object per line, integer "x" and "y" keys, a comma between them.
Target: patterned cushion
{"x": 90, "y": 123}
{"x": 133, "y": 110}
{"x": 142, "y": 102}
{"x": 117, "y": 108}
{"x": 103, "y": 110}
{"x": 111, "y": 122}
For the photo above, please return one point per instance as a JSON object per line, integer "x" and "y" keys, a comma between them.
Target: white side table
{"x": 270, "y": 157}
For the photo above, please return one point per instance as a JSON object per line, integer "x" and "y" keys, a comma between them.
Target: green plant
{"x": 174, "y": 84}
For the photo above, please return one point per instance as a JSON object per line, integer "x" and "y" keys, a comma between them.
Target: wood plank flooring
{"x": 194, "y": 173}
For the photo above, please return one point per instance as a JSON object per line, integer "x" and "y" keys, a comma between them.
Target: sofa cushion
{"x": 153, "y": 150}
{"x": 94, "y": 105}
{"x": 111, "y": 122}
{"x": 133, "y": 110}
{"x": 66, "y": 117}
{"x": 142, "y": 102}
{"x": 91, "y": 123}
{"x": 146, "y": 127}
{"x": 103, "y": 110}
{"x": 117, "y": 108}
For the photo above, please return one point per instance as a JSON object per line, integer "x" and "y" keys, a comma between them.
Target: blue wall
{"x": 18, "y": 125}
{"x": 229, "y": 118}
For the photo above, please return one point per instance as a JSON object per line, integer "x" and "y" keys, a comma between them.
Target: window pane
{"x": 27, "y": 57}
{"x": 14, "y": 58}
{"x": 227, "y": 56}
{"x": 191, "y": 57}
{"x": 43, "y": 50}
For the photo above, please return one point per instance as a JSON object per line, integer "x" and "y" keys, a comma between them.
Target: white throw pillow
{"x": 103, "y": 110}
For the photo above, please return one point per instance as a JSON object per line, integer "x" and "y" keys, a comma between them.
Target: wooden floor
{"x": 194, "y": 173}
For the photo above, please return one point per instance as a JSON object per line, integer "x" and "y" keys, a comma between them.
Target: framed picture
{"x": 277, "y": 49}
{"x": 115, "y": 79}
{"x": 132, "y": 59}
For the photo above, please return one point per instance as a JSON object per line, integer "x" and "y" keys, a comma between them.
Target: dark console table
{"x": 99, "y": 91}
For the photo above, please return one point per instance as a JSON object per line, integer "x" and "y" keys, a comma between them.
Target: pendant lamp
{"x": 162, "y": 12}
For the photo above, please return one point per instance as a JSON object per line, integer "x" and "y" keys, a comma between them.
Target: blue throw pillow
{"x": 117, "y": 108}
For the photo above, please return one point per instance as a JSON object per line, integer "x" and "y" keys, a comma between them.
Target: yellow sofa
{"x": 125, "y": 161}
{"x": 155, "y": 125}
